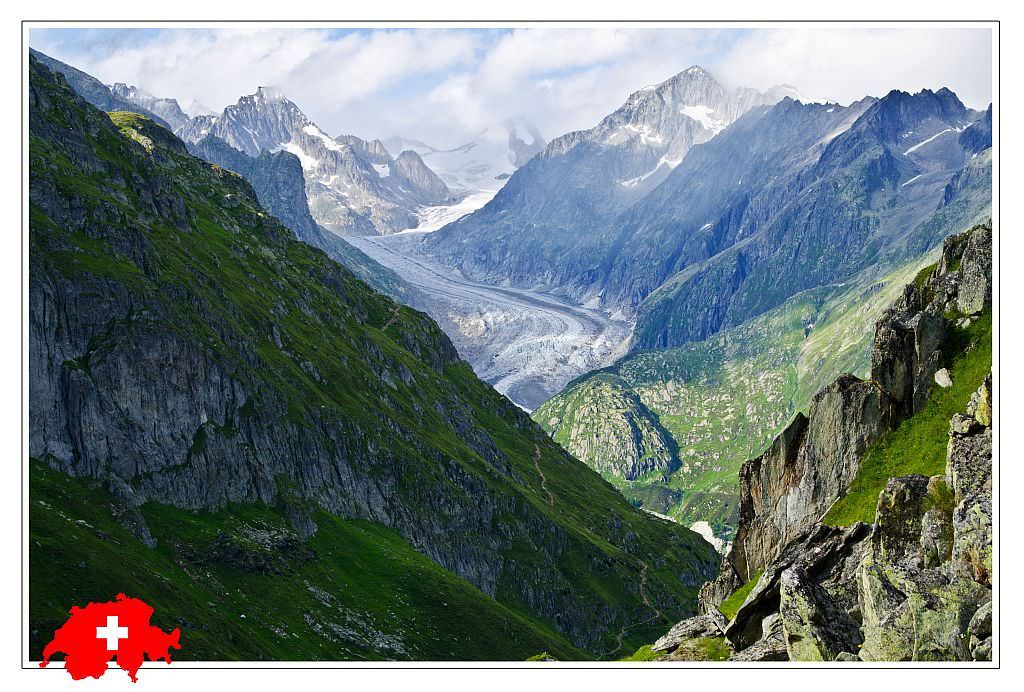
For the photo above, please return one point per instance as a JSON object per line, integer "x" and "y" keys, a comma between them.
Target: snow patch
{"x": 702, "y": 114}
{"x": 314, "y": 131}
{"x": 704, "y": 529}
{"x": 663, "y": 161}
{"x": 911, "y": 180}
{"x": 434, "y": 218}
{"x": 932, "y": 138}
{"x": 645, "y": 136}
{"x": 383, "y": 170}
{"x": 307, "y": 161}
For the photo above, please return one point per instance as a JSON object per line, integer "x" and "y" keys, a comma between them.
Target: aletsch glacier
{"x": 529, "y": 342}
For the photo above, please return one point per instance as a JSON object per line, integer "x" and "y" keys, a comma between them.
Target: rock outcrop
{"x": 917, "y": 583}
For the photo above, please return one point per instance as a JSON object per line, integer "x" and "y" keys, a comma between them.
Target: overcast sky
{"x": 444, "y": 85}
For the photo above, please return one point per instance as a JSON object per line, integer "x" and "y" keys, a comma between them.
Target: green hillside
{"x": 717, "y": 403}
{"x": 188, "y": 352}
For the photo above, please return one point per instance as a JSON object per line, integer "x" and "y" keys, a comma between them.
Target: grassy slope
{"x": 724, "y": 400}
{"x": 918, "y": 444}
{"x": 341, "y": 340}
{"x": 385, "y": 599}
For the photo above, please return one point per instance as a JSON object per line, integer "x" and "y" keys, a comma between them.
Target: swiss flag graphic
{"x": 99, "y": 632}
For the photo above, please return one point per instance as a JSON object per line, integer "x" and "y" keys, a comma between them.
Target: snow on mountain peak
{"x": 269, "y": 94}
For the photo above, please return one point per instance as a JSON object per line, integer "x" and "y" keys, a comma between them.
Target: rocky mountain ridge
{"x": 822, "y": 189}
{"x": 811, "y": 579}
{"x": 582, "y": 177}
{"x": 354, "y": 187}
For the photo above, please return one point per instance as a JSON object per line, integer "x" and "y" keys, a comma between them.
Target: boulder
{"x": 771, "y": 646}
{"x": 980, "y": 631}
{"x": 707, "y": 625}
{"x": 816, "y": 626}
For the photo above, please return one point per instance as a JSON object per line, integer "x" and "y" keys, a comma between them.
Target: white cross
{"x": 111, "y": 633}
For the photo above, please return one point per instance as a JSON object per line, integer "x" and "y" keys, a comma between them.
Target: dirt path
{"x": 645, "y": 597}
{"x": 396, "y": 312}
{"x": 543, "y": 478}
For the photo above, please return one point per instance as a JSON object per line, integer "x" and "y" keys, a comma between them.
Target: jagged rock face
{"x": 821, "y": 555}
{"x": 974, "y": 284}
{"x": 914, "y": 586}
{"x": 607, "y": 426}
{"x": 978, "y": 137}
{"x": 354, "y": 186}
{"x": 186, "y": 349}
{"x": 925, "y": 579}
{"x": 807, "y": 468}
{"x": 906, "y": 356}
{"x": 811, "y": 464}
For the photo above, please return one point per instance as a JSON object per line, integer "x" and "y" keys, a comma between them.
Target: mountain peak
{"x": 269, "y": 93}
{"x": 694, "y": 70}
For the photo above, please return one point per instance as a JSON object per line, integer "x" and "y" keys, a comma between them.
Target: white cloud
{"x": 444, "y": 86}
{"x": 846, "y": 64}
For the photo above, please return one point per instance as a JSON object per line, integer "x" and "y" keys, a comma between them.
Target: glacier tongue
{"x": 527, "y": 344}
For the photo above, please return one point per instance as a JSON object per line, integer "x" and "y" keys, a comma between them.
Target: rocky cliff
{"x": 846, "y": 548}
{"x": 186, "y": 351}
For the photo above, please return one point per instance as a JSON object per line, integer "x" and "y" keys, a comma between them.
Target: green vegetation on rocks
{"x": 731, "y": 605}
{"x": 242, "y": 585}
{"x": 918, "y": 444}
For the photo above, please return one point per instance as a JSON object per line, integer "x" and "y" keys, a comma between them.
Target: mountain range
{"x": 757, "y": 271}
{"x": 822, "y": 189}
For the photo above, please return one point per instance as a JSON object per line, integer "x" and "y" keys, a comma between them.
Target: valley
{"x": 542, "y": 387}
{"x": 527, "y": 344}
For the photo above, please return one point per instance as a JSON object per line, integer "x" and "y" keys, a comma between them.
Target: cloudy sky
{"x": 444, "y": 85}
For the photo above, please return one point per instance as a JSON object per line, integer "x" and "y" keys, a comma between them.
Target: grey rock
{"x": 708, "y": 625}
{"x": 980, "y": 631}
{"x": 808, "y": 467}
{"x": 975, "y": 274}
{"x": 817, "y": 627}
{"x": 943, "y": 379}
{"x": 827, "y": 556}
{"x": 771, "y": 646}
